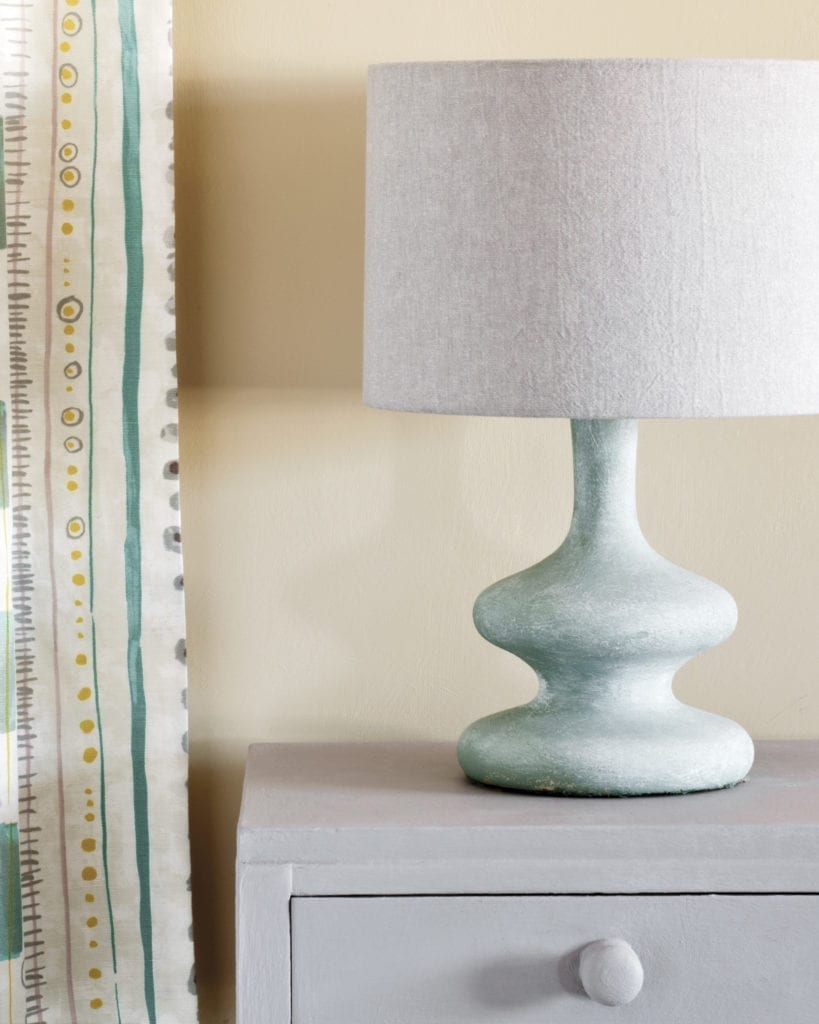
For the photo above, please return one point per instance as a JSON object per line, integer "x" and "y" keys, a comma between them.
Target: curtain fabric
{"x": 95, "y": 920}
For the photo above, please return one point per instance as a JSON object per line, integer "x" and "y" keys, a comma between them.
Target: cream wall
{"x": 333, "y": 552}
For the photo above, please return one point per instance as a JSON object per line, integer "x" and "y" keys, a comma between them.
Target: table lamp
{"x": 601, "y": 240}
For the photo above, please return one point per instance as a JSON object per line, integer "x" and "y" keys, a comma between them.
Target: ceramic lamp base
{"x": 605, "y": 622}
{"x": 676, "y": 750}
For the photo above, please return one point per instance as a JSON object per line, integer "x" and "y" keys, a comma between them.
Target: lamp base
{"x": 594, "y": 752}
{"x": 605, "y": 622}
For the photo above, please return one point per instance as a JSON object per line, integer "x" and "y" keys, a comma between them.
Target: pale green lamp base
{"x": 605, "y": 622}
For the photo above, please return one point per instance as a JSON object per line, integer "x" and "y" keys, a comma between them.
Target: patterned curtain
{"x": 95, "y": 921}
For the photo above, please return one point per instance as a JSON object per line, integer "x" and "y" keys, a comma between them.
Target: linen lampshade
{"x": 593, "y": 238}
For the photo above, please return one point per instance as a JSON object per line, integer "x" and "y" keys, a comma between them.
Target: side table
{"x": 375, "y": 885}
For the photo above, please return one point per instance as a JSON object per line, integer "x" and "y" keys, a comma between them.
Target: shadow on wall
{"x": 270, "y": 234}
{"x": 215, "y": 782}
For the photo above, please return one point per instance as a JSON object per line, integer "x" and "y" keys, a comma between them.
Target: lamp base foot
{"x": 604, "y": 752}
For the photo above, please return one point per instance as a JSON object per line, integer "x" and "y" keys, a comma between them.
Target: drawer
{"x": 707, "y": 959}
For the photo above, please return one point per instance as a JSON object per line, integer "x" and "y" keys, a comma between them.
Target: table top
{"x": 410, "y": 785}
{"x": 388, "y": 808}
{"x": 396, "y": 803}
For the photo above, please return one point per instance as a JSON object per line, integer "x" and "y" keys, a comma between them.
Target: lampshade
{"x": 593, "y": 239}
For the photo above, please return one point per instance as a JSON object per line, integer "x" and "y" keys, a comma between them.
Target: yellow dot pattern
{"x": 70, "y": 317}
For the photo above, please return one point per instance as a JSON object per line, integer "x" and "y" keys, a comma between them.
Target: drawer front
{"x": 514, "y": 959}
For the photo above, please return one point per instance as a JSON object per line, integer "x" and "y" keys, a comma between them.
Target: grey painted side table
{"x": 375, "y": 885}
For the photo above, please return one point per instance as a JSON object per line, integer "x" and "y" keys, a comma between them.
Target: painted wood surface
{"x": 361, "y": 817}
{"x": 321, "y": 823}
{"x": 514, "y": 960}
{"x": 263, "y": 944}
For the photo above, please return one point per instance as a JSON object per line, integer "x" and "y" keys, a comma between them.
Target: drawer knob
{"x": 610, "y": 972}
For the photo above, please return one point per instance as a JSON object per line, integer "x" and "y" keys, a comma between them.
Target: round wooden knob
{"x": 610, "y": 972}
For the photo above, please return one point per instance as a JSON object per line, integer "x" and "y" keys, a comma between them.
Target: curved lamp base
{"x": 678, "y": 750}
{"x": 605, "y": 622}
